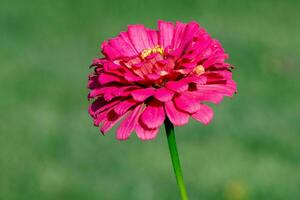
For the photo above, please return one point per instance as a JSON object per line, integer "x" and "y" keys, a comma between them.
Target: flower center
{"x": 156, "y": 49}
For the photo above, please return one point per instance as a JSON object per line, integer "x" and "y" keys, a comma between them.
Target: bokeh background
{"x": 49, "y": 148}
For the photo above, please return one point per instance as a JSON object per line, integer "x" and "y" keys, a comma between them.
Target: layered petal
{"x": 154, "y": 115}
{"x": 145, "y": 133}
{"x": 139, "y": 37}
{"x": 186, "y": 103}
{"x": 204, "y": 114}
{"x": 128, "y": 124}
{"x": 163, "y": 94}
{"x": 142, "y": 94}
{"x": 177, "y": 117}
{"x": 166, "y": 31}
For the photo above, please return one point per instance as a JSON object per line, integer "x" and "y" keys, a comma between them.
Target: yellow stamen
{"x": 163, "y": 73}
{"x": 156, "y": 49}
{"x": 199, "y": 70}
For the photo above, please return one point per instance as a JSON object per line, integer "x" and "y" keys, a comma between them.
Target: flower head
{"x": 147, "y": 75}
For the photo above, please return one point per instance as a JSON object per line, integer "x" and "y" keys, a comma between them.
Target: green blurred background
{"x": 49, "y": 148}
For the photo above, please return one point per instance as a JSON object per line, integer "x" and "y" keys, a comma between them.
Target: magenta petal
{"x": 204, "y": 114}
{"x": 227, "y": 89}
{"x": 177, "y": 117}
{"x": 125, "y": 49}
{"x": 166, "y": 31}
{"x": 128, "y": 124}
{"x": 178, "y": 34}
{"x": 109, "y": 51}
{"x": 142, "y": 94}
{"x": 129, "y": 76}
{"x": 208, "y": 96}
{"x": 123, "y": 106}
{"x": 125, "y": 37}
{"x": 104, "y": 90}
{"x": 111, "y": 120}
{"x": 177, "y": 86}
{"x": 139, "y": 37}
{"x": 186, "y": 103}
{"x": 108, "y": 78}
{"x": 145, "y": 133}
{"x": 154, "y": 114}
{"x": 153, "y": 36}
{"x": 163, "y": 94}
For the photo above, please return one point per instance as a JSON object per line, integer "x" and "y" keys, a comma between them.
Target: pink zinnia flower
{"x": 147, "y": 75}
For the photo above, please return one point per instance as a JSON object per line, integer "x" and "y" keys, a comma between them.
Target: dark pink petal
{"x": 145, "y": 133}
{"x": 100, "y": 91}
{"x": 207, "y": 96}
{"x": 99, "y": 118}
{"x": 204, "y": 114}
{"x": 154, "y": 114}
{"x": 125, "y": 37}
{"x": 177, "y": 117}
{"x": 166, "y": 31}
{"x": 111, "y": 119}
{"x": 227, "y": 89}
{"x": 152, "y": 76}
{"x": 106, "y": 106}
{"x": 139, "y": 37}
{"x": 142, "y": 94}
{"x": 191, "y": 30}
{"x": 123, "y": 106}
{"x": 163, "y": 94}
{"x": 125, "y": 49}
{"x": 186, "y": 103}
{"x": 109, "y": 51}
{"x": 96, "y": 105}
{"x": 177, "y": 86}
{"x": 132, "y": 77}
{"x": 128, "y": 124}
{"x": 178, "y": 34}
{"x": 108, "y": 78}
{"x": 153, "y": 35}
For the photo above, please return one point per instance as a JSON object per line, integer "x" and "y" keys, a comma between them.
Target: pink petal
{"x": 108, "y": 78}
{"x": 152, "y": 76}
{"x": 111, "y": 119}
{"x": 123, "y": 47}
{"x": 125, "y": 37}
{"x": 96, "y": 105}
{"x": 177, "y": 86}
{"x": 104, "y": 105}
{"x": 139, "y": 37}
{"x": 163, "y": 94}
{"x": 191, "y": 30}
{"x": 153, "y": 35}
{"x": 177, "y": 117}
{"x": 186, "y": 103}
{"x": 98, "y": 92}
{"x": 145, "y": 133}
{"x": 123, "y": 106}
{"x": 204, "y": 114}
{"x": 226, "y": 89}
{"x": 208, "y": 96}
{"x": 178, "y": 34}
{"x": 109, "y": 51}
{"x": 154, "y": 114}
{"x": 128, "y": 124}
{"x": 166, "y": 31}
{"x": 142, "y": 94}
{"x": 131, "y": 77}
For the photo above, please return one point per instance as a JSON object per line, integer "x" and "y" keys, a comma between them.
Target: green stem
{"x": 175, "y": 158}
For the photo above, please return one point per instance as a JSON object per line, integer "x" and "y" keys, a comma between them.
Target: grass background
{"x": 50, "y": 150}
